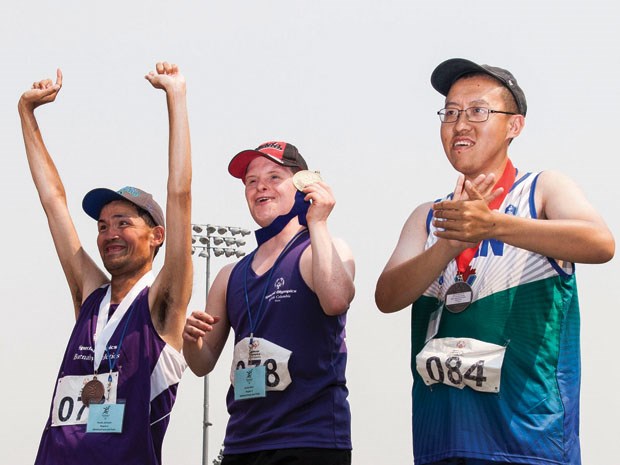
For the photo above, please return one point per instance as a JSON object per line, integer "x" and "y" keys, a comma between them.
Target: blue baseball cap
{"x": 96, "y": 199}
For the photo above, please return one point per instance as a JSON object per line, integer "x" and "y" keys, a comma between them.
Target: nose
{"x": 109, "y": 233}
{"x": 461, "y": 121}
{"x": 261, "y": 185}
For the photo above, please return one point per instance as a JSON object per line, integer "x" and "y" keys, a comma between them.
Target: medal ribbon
{"x": 506, "y": 181}
{"x": 260, "y": 311}
{"x": 299, "y": 210}
{"x": 106, "y": 328}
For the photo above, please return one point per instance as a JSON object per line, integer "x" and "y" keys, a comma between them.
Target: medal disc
{"x": 93, "y": 392}
{"x": 304, "y": 178}
{"x": 458, "y": 297}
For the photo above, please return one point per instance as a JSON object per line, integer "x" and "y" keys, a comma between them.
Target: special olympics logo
{"x": 460, "y": 344}
{"x": 511, "y": 210}
{"x": 279, "y": 283}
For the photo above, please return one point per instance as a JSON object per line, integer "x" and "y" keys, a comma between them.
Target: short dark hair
{"x": 146, "y": 216}
{"x": 148, "y": 219}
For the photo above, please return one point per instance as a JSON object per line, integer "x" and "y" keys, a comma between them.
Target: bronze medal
{"x": 459, "y": 296}
{"x": 93, "y": 392}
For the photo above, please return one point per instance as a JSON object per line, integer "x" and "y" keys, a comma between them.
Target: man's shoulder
{"x": 96, "y": 295}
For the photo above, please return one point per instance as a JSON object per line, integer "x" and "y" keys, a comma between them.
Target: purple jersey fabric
{"x": 313, "y": 410}
{"x": 148, "y": 376}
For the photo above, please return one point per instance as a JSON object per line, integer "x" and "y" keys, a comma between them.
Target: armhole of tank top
{"x": 429, "y": 215}
{"x": 564, "y": 269}
{"x": 532, "y": 201}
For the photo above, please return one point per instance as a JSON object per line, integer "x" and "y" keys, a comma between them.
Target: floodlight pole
{"x": 205, "y": 238}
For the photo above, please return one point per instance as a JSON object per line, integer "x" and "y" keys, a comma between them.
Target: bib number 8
{"x": 272, "y": 379}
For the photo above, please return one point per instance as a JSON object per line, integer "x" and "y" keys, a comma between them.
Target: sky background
{"x": 347, "y": 82}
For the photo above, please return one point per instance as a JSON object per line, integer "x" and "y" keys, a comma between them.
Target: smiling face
{"x": 475, "y": 148}
{"x": 269, "y": 190}
{"x": 126, "y": 242}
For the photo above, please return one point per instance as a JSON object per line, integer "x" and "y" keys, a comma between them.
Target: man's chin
{"x": 112, "y": 265}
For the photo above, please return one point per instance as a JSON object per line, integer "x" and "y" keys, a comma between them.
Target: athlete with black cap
{"x": 489, "y": 271}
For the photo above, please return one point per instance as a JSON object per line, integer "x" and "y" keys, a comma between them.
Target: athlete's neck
{"x": 496, "y": 169}
{"x": 122, "y": 284}
{"x": 268, "y": 251}
{"x": 279, "y": 241}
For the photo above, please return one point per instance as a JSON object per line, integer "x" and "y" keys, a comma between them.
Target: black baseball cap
{"x": 96, "y": 199}
{"x": 448, "y": 72}
{"x": 282, "y": 153}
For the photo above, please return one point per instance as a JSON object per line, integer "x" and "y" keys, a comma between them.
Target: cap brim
{"x": 239, "y": 164}
{"x": 449, "y": 71}
{"x": 96, "y": 199}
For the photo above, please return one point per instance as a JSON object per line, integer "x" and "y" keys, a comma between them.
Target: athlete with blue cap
{"x": 117, "y": 382}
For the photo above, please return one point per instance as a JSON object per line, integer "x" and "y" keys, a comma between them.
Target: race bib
{"x": 460, "y": 362}
{"x": 263, "y": 353}
{"x": 68, "y": 408}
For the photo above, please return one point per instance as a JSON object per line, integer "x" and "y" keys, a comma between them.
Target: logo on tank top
{"x": 281, "y": 292}
{"x": 511, "y": 210}
{"x": 487, "y": 248}
{"x": 493, "y": 246}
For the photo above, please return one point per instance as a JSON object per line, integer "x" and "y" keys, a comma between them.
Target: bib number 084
{"x": 453, "y": 372}
{"x": 460, "y": 362}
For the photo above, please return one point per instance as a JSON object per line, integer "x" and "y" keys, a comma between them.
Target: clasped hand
{"x": 467, "y": 218}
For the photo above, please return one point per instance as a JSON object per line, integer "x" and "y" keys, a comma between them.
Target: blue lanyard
{"x": 260, "y": 312}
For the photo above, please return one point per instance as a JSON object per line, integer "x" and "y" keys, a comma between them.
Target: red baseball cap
{"x": 282, "y": 153}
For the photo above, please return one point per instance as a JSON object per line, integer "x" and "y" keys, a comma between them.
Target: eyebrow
{"x": 274, "y": 170}
{"x": 117, "y": 216}
{"x": 473, "y": 103}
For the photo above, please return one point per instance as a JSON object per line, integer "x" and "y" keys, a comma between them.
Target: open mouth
{"x": 112, "y": 249}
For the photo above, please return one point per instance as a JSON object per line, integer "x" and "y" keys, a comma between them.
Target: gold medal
{"x": 304, "y": 178}
{"x": 93, "y": 392}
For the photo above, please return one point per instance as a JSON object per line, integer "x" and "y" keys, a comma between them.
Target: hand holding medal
{"x": 317, "y": 193}
{"x": 304, "y": 178}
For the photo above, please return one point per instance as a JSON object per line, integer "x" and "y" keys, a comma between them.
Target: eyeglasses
{"x": 473, "y": 114}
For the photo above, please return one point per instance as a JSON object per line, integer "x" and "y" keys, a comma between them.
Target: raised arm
{"x": 206, "y": 332}
{"x": 82, "y": 274}
{"x": 327, "y": 266}
{"x": 568, "y": 228}
{"x": 172, "y": 288}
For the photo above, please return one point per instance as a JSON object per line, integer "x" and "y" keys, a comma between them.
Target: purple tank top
{"x": 148, "y": 374}
{"x": 313, "y": 410}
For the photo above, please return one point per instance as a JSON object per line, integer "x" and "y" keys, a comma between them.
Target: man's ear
{"x": 159, "y": 234}
{"x": 516, "y": 125}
